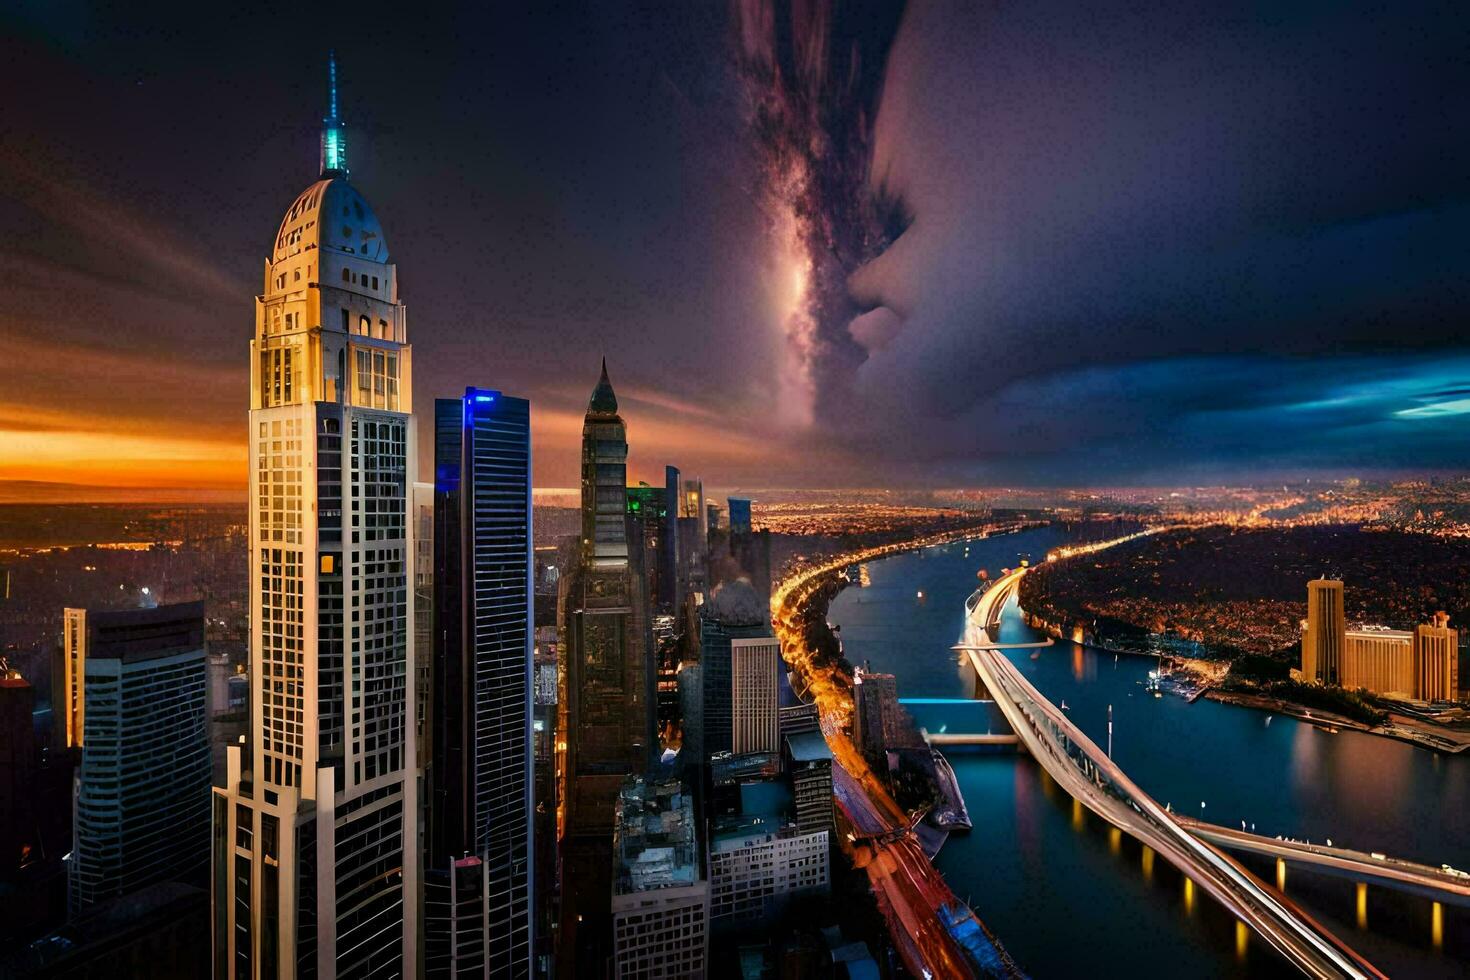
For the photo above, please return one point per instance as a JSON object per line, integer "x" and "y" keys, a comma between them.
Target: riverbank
{"x": 912, "y": 899}
{"x": 1203, "y": 677}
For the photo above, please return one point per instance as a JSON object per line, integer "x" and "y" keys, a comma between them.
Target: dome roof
{"x": 603, "y": 401}
{"x": 331, "y": 214}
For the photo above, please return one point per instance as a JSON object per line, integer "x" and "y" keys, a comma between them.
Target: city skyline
{"x": 1297, "y": 318}
{"x": 818, "y": 420}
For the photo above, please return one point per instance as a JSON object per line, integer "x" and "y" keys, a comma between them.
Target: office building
{"x": 755, "y": 705}
{"x": 143, "y": 788}
{"x": 734, "y": 612}
{"x": 1437, "y": 660}
{"x": 759, "y": 859}
{"x": 1324, "y": 635}
{"x": 67, "y": 685}
{"x": 739, "y": 509}
{"x": 478, "y": 860}
{"x": 809, "y": 766}
{"x": 316, "y": 830}
{"x": 648, "y": 520}
{"x": 796, "y": 715}
{"x": 660, "y": 901}
{"x": 670, "y": 555}
{"x": 608, "y": 649}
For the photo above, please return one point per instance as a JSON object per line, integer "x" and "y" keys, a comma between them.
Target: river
{"x": 1070, "y": 896}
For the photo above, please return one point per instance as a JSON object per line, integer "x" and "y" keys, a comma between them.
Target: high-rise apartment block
{"x": 759, "y": 858}
{"x": 316, "y": 829}
{"x": 143, "y": 788}
{"x": 478, "y": 857}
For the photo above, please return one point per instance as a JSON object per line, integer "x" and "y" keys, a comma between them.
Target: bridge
{"x": 1086, "y": 773}
{"x": 1435, "y": 884}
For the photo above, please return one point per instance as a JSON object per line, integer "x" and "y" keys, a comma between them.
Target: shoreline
{"x": 1204, "y": 673}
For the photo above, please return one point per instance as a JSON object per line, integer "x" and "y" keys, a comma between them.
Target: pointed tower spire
{"x": 603, "y": 401}
{"x": 334, "y": 138}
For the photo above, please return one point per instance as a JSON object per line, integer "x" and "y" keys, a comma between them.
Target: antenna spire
{"x": 334, "y": 138}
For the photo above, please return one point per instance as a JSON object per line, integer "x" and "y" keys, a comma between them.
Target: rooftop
{"x": 655, "y": 843}
{"x": 808, "y": 747}
{"x": 765, "y": 810}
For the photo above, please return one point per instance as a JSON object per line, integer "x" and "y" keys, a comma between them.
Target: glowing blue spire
{"x": 334, "y": 137}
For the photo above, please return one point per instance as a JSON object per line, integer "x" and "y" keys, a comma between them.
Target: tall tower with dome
{"x": 315, "y": 831}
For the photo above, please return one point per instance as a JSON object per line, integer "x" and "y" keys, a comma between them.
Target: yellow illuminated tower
{"x": 1323, "y": 632}
{"x": 315, "y": 868}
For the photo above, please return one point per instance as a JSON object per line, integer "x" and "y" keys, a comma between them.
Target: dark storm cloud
{"x": 1100, "y": 186}
{"x": 1044, "y": 242}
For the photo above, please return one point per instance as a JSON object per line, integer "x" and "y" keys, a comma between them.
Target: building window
{"x": 346, "y": 274}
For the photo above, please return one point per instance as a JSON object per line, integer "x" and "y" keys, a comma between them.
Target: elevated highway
{"x": 1435, "y": 884}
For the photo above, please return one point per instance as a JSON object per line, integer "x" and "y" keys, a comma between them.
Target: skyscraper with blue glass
{"x": 478, "y": 913}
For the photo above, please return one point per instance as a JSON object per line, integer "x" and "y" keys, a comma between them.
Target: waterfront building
{"x": 1323, "y": 636}
{"x": 809, "y": 766}
{"x": 1436, "y": 667}
{"x": 759, "y": 859}
{"x": 316, "y": 830}
{"x": 608, "y": 651}
{"x": 143, "y": 788}
{"x": 734, "y": 612}
{"x": 877, "y": 715}
{"x": 660, "y": 901}
{"x": 1379, "y": 659}
{"x": 754, "y": 702}
{"x": 478, "y": 860}
{"x": 1420, "y": 665}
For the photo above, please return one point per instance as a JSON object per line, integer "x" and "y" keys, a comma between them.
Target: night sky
{"x": 1034, "y": 243}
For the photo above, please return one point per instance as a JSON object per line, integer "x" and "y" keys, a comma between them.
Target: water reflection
{"x": 1035, "y": 858}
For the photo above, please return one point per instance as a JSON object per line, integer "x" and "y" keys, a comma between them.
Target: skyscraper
{"x": 1436, "y": 660}
{"x": 609, "y": 680}
{"x": 1323, "y": 635}
{"x": 754, "y": 702}
{"x": 315, "y": 832}
{"x": 733, "y": 612}
{"x": 478, "y": 858}
{"x": 142, "y": 799}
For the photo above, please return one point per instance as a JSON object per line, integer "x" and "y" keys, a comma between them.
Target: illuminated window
{"x": 329, "y": 564}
